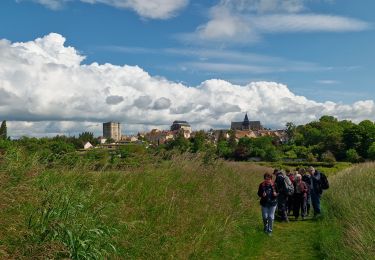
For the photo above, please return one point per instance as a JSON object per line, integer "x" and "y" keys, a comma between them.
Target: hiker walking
{"x": 319, "y": 183}
{"x": 268, "y": 193}
{"x": 285, "y": 188}
{"x": 299, "y": 197}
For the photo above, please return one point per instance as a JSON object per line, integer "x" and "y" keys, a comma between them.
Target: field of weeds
{"x": 180, "y": 207}
{"x": 177, "y": 208}
{"x": 348, "y": 229}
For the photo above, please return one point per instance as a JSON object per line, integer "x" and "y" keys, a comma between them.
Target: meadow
{"x": 184, "y": 207}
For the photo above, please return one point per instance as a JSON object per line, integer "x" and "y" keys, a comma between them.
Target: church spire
{"x": 246, "y": 119}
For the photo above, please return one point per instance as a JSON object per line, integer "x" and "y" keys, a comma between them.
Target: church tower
{"x": 246, "y": 123}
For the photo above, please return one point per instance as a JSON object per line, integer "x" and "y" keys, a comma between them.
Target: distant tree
{"x": 290, "y": 131}
{"x": 223, "y": 149}
{"x": 367, "y": 131}
{"x": 198, "y": 141}
{"x": 329, "y": 157}
{"x": 3, "y": 130}
{"x": 352, "y": 156}
{"x": 221, "y": 137}
{"x": 371, "y": 151}
{"x": 85, "y": 137}
{"x": 291, "y": 154}
{"x": 311, "y": 157}
{"x": 109, "y": 141}
{"x": 180, "y": 143}
{"x": 352, "y": 137}
{"x": 232, "y": 139}
{"x": 272, "y": 155}
{"x": 241, "y": 153}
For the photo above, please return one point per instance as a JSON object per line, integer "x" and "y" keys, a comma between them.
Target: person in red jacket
{"x": 268, "y": 194}
{"x": 299, "y": 197}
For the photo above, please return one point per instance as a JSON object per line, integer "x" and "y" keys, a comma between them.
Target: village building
{"x": 158, "y": 137}
{"x": 278, "y": 135}
{"x": 218, "y": 133}
{"x": 180, "y": 125}
{"x": 87, "y": 145}
{"x": 112, "y": 130}
{"x": 246, "y": 125}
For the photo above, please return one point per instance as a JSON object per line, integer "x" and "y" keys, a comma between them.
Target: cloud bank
{"x": 155, "y": 9}
{"x": 46, "y": 89}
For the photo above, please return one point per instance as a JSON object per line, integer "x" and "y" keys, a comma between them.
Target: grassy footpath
{"x": 347, "y": 230}
{"x": 180, "y": 208}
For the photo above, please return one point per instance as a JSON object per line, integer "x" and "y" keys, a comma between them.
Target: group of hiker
{"x": 291, "y": 193}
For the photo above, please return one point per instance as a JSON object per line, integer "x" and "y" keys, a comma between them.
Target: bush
{"x": 328, "y": 157}
{"x": 311, "y": 158}
{"x": 272, "y": 154}
{"x": 371, "y": 151}
{"x": 352, "y": 156}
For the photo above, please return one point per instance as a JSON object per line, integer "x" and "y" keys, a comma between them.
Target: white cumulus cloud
{"x": 45, "y": 89}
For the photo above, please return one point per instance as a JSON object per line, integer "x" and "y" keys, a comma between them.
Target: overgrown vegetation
{"x": 348, "y": 230}
{"x": 182, "y": 207}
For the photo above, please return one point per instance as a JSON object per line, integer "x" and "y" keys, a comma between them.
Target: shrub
{"x": 272, "y": 154}
{"x": 311, "y": 157}
{"x": 371, "y": 151}
{"x": 328, "y": 157}
{"x": 352, "y": 156}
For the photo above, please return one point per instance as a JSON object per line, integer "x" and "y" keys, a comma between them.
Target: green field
{"x": 176, "y": 208}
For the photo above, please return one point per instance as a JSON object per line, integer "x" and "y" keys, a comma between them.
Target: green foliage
{"x": 352, "y": 156}
{"x": 329, "y": 157}
{"x": 223, "y": 150}
{"x": 110, "y": 141}
{"x": 85, "y": 137}
{"x": 347, "y": 230}
{"x": 311, "y": 157}
{"x": 291, "y": 130}
{"x": 180, "y": 143}
{"x": 271, "y": 155}
{"x": 232, "y": 140}
{"x": 198, "y": 141}
{"x": 69, "y": 217}
{"x": 371, "y": 151}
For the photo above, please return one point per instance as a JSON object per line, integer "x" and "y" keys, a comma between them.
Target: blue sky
{"x": 321, "y": 49}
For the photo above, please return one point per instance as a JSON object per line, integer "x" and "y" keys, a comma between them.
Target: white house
{"x": 87, "y": 145}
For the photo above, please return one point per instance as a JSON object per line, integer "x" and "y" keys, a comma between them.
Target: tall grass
{"x": 186, "y": 207}
{"x": 348, "y": 230}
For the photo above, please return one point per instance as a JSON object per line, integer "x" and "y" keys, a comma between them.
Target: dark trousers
{"x": 299, "y": 205}
{"x": 290, "y": 204}
{"x": 282, "y": 201}
{"x": 315, "y": 201}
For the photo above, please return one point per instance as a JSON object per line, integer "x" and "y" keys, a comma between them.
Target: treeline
{"x": 326, "y": 140}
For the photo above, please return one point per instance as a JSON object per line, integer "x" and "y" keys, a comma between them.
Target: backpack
{"x": 324, "y": 184}
{"x": 289, "y": 187}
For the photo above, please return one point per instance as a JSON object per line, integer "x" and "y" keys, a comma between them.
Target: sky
{"x": 66, "y": 66}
